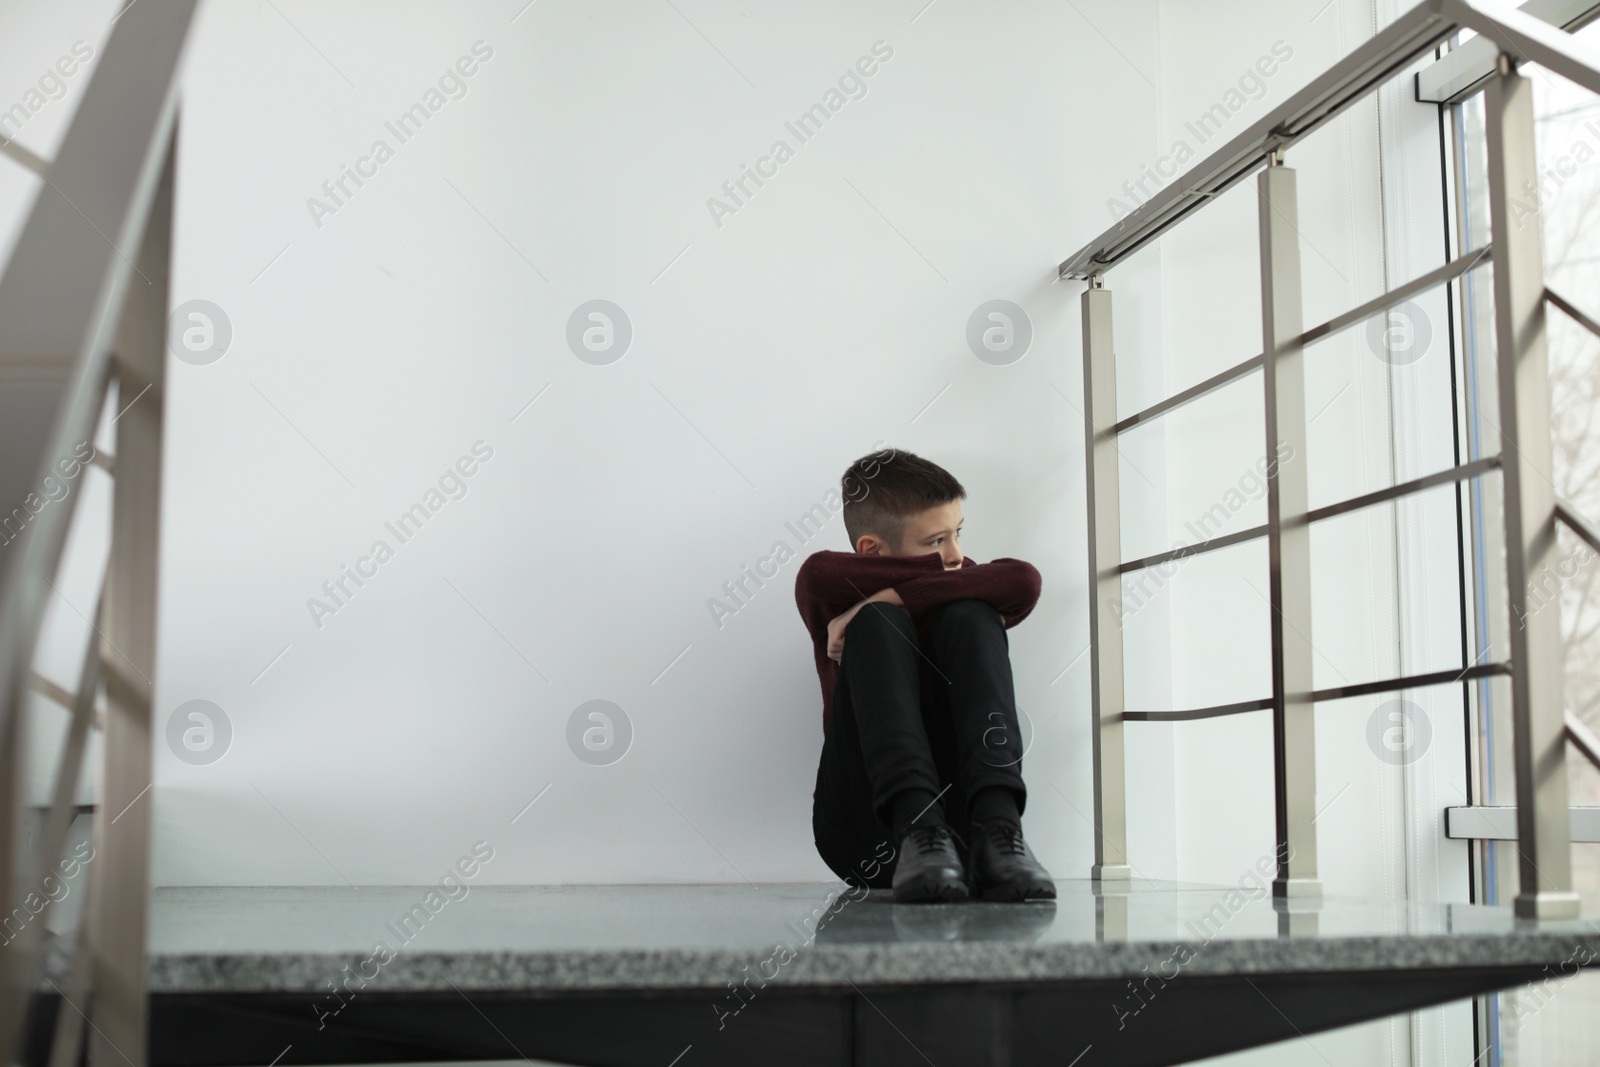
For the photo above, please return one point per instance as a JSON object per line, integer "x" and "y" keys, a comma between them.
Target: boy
{"x": 920, "y": 741}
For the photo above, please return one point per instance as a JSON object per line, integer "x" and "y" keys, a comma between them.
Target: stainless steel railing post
{"x": 1105, "y": 587}
{"x": 1538, "y": 724}
{"x": 1294, "y": 747}
{"x": 120, "y": 896}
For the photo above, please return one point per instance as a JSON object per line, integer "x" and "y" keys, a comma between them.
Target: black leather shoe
{"x": 1004, "y": 867}
{"x": 929, "y": 867}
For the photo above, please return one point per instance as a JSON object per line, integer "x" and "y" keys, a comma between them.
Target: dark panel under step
{"x": 701, "y": 976}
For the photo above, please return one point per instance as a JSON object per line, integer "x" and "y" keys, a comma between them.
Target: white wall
{"x": 371, "y": 351}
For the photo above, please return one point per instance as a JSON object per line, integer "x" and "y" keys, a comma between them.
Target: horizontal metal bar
{"x": 1416, "y": 485}
{"x": 1428, "y": 481}
{"x": 1483, "y": 822}
{"x": 1411, "y": 681}
{"x": 1463, "y": 71}
{"x": 1567, "y": 513}
{"x": 52, "y": 691}
{"x": 1577, "y": 314}
{"x": 1192, "y": 550}
{"x": 38, "y": 165}
{"x": 1449, "y": 271}
{"x": 1199, "y": 713}
{"x": 1456, "y": 267}
{"x": 1581, "y": 736}
{"x": 1194, "y": 392}
{"x": 1340, "y": 692}
{"x": 1373, "y": 62}
{"x": 1527, "y": 38}
{"x": 1453, "y": 269}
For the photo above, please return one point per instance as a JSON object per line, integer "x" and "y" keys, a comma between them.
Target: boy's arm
{"x": 836, "y": 626}
{"x": 1011, "y": 585}
{"x": 829, "y": 583}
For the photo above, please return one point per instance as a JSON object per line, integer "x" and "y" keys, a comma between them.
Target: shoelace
{"x": 1007, "y": 837}
{"x": 929, "y": 837}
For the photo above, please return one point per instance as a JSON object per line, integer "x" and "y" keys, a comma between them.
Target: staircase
{"x": 1118, "y": 970}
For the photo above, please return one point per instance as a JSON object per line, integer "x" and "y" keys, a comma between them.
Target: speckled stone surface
{"x": 571, "y": 938}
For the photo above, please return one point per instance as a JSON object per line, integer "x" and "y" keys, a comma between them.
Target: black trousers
{"x": 880, "y": 739}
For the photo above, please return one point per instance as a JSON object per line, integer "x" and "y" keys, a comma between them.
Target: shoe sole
{"x": 931, "y": 890}
{"x": 1020, "y": 891}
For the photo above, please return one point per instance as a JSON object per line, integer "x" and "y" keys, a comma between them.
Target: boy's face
{"x": 936, "y": 530}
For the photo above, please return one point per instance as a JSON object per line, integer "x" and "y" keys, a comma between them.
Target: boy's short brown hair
{"x": 884, "y": 488}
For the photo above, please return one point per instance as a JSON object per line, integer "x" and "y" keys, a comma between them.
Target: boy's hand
{"x": 836, "y": 633}
{"x": 837, "y": 625}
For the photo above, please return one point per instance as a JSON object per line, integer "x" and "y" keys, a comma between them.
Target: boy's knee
{"x": 968, "y": 612}
{"x": 881, "y": 613}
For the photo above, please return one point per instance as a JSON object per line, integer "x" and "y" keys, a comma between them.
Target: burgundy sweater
{"x": 829, "y": 583}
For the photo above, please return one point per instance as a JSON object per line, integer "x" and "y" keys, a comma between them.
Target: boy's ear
{"x": 871, "y": 545}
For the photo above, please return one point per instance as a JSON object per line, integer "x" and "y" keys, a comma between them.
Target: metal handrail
{"x": 1375, "y": 61}
{"x": 1519, "y": 34}
{"x": 24, "y": 572}
{"x": 73, "y": 316}
{"x": 24, "y": 575}
{"x": 1403, "y": 41}
{"x": 1466, "y": 69}
{"x": 1519, "y": 298}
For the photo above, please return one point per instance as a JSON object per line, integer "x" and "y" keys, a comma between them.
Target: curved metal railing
{"x": 83, "y": 304}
